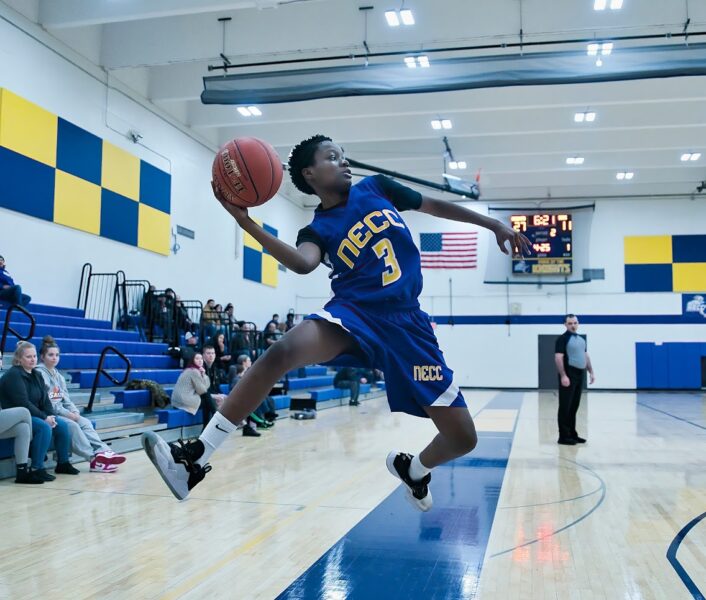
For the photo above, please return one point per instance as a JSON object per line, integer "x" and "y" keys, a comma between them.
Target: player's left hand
{"x": 519, "y": 244}
{"x": 240, "y": 214}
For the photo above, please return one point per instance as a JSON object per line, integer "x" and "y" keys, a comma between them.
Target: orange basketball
{"x": 248, "y": 171}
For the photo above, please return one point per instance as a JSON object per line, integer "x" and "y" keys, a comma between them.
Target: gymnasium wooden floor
{"x": 309, "y": 511}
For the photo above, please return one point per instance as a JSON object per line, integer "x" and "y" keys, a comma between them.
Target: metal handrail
{"x": 101, "y": 371}
{"x": 8, "y": 329}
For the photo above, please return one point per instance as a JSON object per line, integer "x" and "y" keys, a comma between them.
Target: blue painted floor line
{"x": 396, "y": 552}
{"x": 674, "y": 561}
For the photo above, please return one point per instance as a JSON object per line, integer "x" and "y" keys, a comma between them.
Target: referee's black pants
{"x": 569, "y": 399}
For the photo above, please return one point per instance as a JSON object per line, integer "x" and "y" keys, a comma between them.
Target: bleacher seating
{"x": 122, "y": 415}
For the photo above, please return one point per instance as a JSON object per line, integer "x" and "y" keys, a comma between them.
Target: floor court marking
{"x": 603, "y": 489}
{"x": 674, "y": 561}
{"x": 664, "y": 412}
{"x": 196, "y": 580}
{"x": 396, "y": 551}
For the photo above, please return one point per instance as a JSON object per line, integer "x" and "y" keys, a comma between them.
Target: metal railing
{"x": 101, "y": 371}
{"x": 99, "y": 294}
{"x": 7, "y": 328}
{"x": 132, "y": 294}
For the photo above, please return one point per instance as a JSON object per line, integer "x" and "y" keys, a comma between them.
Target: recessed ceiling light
{"x": 616, "y": 4}
{"x": 690, "y": 156}
{"x": 407, "y": 16}
{"x": 590, "y": 117}
{"x": 410, "y": 61}
{"x": 446, "y": 124}
{"x": 574, "y": 160}
{"x": 600, "y": 4}
{"x": 255, "y": 111}
{"x": 462, "y": 164}
{"x": 606, "y": 48}
{"x": 592, "y": 49}
{"x": 695, "y": 156}
{"x": 392, "y": 19}
{"x": 436, "y": 124}
{"x": 423, "y": 61}
{"x": 244, "y": 111}
{"x": 453, "y": 164}
{"x": 624, "y": 175}
{"x": 579, "y": 117}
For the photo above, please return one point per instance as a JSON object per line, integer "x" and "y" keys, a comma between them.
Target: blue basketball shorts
{"x": 402, "y": 344}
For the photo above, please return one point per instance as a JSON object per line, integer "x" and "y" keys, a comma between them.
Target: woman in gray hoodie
{"x": 85, "y": 440}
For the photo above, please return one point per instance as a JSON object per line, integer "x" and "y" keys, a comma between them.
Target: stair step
{"x": 105, "y": 419}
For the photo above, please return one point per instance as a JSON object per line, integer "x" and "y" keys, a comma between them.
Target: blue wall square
{"x": 271, "y": 230}
{"x": 155, "y": 187}
{"x": 79, "y": 152}
{"x": 118, "y": 217}
{"x": 648, "y": 278}
{"x": 252, "y": 264}
{"x": 689, "y": 248}
{"x": 26, "y": 185}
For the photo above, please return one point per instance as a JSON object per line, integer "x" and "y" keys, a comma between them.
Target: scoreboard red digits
{"x": 550, "y": 238}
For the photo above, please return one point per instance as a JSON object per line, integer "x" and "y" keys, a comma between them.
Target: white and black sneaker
{"x": 176, "y": 462}
{"x": 418, "y": 493}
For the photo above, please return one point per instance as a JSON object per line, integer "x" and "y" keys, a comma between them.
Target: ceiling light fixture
{"x": 574, "y": 160}
{"x": 395, "y": 17}
{"x": 588, "y": 116}
{"x": 616, "y": 4}
{"x": 600, "y": 4}
{"x": 250, "y": 111}
{"x": 690, "y": 156}
{"x": 392, "y": 19}
{"x": 446, "y": 124}
{"x": 412, "y": 62}
{"x": 624, "y": 175}
{"x": 407, "y": 16}
{"x": 436, "y": 124}
{"x": 603, "y": 4}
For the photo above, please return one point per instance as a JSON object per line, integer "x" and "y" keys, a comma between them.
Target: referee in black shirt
{"x": 571, "y": 361}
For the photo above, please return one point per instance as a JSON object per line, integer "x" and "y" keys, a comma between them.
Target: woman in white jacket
{"x": 85, "y": 440}
{"x": 191, "y": 390}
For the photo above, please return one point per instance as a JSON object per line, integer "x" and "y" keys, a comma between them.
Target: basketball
{"x": 247, "y": 171}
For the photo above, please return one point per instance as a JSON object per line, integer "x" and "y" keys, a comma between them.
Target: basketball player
{"x": 373, "y": 317}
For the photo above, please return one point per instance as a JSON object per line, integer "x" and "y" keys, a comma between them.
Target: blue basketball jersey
{"x": 367, "y": 245}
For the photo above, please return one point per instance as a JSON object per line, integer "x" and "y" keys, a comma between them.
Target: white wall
{"x": 46, "y": 258}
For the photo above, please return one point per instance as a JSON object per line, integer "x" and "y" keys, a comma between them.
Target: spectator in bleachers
{"x": 348, "y": 378}
{"x": 23, "y": 386}
{"x": 209, "y": 319}
{"x": 274, "y": 319}
{"x": 191, "y": 390}
{"x": 9, "y": 290}
{"x": 17, "y": 423}
{"x": 242, "y": 364}
{"x": 243, "y": 341}
{"x": 272, "y": 334}
{"x": 185, "y": 353}
{"x": 223, "y": 356}
{"x": 229, "y": 321}
{"x": 85, "y": 440}
{"x": 183, "y": 321}
{"x": 216, "y": 375}
{"x": 289, "y": 322}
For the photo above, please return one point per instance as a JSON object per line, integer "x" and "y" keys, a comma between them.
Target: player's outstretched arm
{"x": 444, "y": 209}
{"x": 302, "y": 260}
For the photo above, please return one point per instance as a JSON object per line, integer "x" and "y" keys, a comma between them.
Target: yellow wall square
{"x": 27, "y": 128}
{"x": 250, "y": 242}
{"x": 648, "y": 249}
{"x": 269, "y": 270}
{"x": 689, "y": 277}
{"x": 77, "y": 203}
{"x": 153, "y": 229}
{"x": 121, "y": 171}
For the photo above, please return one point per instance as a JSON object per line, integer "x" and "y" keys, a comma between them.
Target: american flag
{"x": 449, "y": 250}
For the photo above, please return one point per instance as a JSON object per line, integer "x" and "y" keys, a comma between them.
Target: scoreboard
{"x": 550, "y": 238}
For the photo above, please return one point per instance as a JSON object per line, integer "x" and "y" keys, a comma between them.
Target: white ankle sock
{"x": 417, "y": 470}
{"x": 214, "y": 435}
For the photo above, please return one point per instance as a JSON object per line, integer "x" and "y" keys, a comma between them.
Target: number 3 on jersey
{"x": 383, "y": 249}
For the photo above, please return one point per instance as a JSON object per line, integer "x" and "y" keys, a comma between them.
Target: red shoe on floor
{"x": 100, "y": 467}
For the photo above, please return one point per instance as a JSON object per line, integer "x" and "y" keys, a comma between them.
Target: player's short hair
{"x": 569, "y": 316}
{"x": 301, "y": 157}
